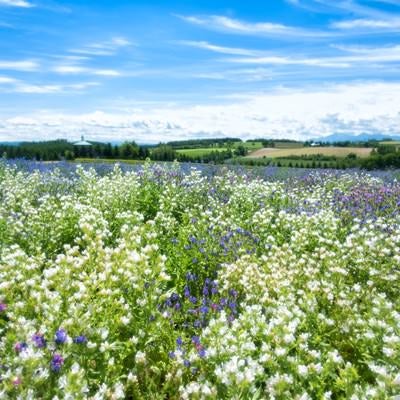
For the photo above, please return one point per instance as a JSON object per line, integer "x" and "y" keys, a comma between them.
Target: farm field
{"x": 327, "y": 151}
{"x": 390, "y": 142}
{"x": 203, "y": 151}
{"x": 200, "y": 151}
{"x": 171, "y": 282}
{"x": 288, "y": 145}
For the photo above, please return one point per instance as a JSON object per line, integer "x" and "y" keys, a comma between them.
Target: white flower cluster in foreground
{"x": 162, "y": 284}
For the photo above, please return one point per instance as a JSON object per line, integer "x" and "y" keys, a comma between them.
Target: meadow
{"x": 173, "y": 282}
{"x": 203, "y": 151}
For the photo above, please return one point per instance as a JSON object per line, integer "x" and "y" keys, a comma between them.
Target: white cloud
{"x": 16, "y": 3}
{"x": 74, "y": 69}
{"x": 7, "y": 80}
{"x": 359, "y": 56}
{"x": 25, "y": 65}
{"x": 12, "y": 85}
{"x": 237, "y": 26}
{"x": 281, "y": 113}
{"x": 310, "y": 62}
{"x": 107, "y": 48}
{"x": 220, "y": 49}
{"x": 390, "y": 24}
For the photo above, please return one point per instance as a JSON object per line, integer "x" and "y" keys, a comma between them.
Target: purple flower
{"x": 17, "y": 381}
{"x": 202, "y": 352}
{"x": 175, "y": 297}
{"x": 39, "y": 340}
{"x": 191, "y": 277}
{"x": 81, "y": 339}
{"x": 168, "y": 303}
{"x": 20, "y": 346}
{"x": 196, "y": 340}
{"x": 186, "y": 291}
{"x": 179, "y": 341}
{"x": 233, "y": 293}
{"x": 186, "y": 363}
{"x": 193, "y": 299}
{"x": 204, "y": 309}
{"x": 57, "y": 362}
{"x": 192, "y": 239}
{"x": 60, "y": 336}
{"x": 171, "y": 355}
{"x": 3, "y": 307}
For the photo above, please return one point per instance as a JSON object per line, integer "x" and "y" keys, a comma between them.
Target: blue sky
{"x": 160, "y": 70}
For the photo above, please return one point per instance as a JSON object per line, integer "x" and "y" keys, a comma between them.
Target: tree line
{"x": 55, "y": 150}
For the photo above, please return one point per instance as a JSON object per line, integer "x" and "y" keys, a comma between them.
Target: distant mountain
{"x": 10, "y": 143}
{"x": 363, "y": 137}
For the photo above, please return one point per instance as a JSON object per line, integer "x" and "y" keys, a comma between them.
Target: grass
{"x": 390, "y": 142}
{"x": 203, "y": 151}
{"x": 251, "y": 145}
{"x": 288, "y": 145}
{"x": 326, "y": 151}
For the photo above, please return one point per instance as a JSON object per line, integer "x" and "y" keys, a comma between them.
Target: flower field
{"x": 164, "y": 282}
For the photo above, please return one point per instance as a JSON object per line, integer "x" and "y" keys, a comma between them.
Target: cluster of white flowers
{"x": 161, "y": 284}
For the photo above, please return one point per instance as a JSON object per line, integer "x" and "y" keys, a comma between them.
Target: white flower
{"x": 303, "y": 370}
{"x": 140, "y": 357}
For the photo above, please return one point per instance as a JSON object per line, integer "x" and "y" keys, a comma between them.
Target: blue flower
{"x": 57, "y": 362}
{"x": 195, "y": 339}
{"x": 191, "y": 277}
{"x": 175, "y": 297}
{"x": 187, "y": 291}
{"x": 60, "y": 336}
{"x": 204, "y": 309}
{"x": 171, "y": 355}
{"x": 81, "y": 339}
{"x": 20, "y": 346}
{"x": 186, "y": 363}
{"x": 233, "y": 292}
{"x": 202, "y": 352}
{"x": 197, "y": 324}
{"x": 39, "y": 340}
{"x": 179, "y": 341}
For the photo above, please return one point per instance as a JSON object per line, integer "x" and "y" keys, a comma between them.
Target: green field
{"x": 251, "y": 145}
{"x": 288, "y": 145}
{"x": 203, "y": 151}
{"x": 271, "y": 152}
{"x": 390, "y": 143}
